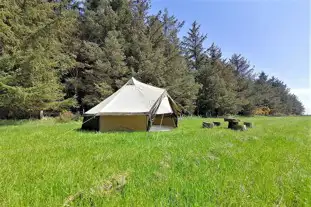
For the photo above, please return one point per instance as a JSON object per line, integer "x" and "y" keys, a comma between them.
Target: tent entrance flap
{"x": 90, "y": 123}
{"x": 166, "y": 119}
{"x": 155, "y": 109}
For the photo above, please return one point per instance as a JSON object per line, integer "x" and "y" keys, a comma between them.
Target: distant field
{"x": 269, "y": 165}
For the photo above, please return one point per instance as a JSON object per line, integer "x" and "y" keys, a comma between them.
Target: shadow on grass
{"x": 85, "y": 131}
{"x": 89, "y": 131}
{"x": 12, "y": 122}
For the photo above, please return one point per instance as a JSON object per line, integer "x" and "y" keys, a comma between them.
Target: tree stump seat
{"x": 240, "y": 127}
{"x": 248, "y": 124}
{"x": 235, "y": 124}
{"x": 216, "y": 123}
{"x": 232, "y": 122}
{"x": 207, "y": 125}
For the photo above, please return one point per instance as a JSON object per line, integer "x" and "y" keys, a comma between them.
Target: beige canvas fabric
{"x": 135, "y": 98}
{"x": 123, "y": 123}
{"x": 165, "y": 107}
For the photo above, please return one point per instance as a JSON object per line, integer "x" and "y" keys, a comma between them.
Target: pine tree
{"x": 265, "y": 93}
{"x": 193, "y": 47}
{"x": 244, "y": 74}
{"x": 102, "y": 68}
{"x": 95, "y": 82}
{"x": 242, "y": 67}
{"x": 175, "y": 76}
{"x": 114, "y": 54}
{"x": 283, "y": 102}
{"x": 217, "y": 94}
{"x": 33, "y": 38}
{"x": 294, "y": 106}
{"x": 214, "y": 53}
{"x": 93, "y": 47}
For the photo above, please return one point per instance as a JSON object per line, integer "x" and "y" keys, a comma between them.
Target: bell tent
{"x": 134, "y": 107}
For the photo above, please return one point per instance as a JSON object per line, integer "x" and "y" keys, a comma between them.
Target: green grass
{"x": 42, "y": 164}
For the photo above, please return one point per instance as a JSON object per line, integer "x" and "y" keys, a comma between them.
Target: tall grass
{"x": 42, "y": 164}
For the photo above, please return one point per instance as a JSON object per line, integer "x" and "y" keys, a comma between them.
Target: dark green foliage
{"x": 244, "y": 89}
{"x": 70, "y": 55}
{"x": 193, "y": 47}
{"x": 217, "y": 95}
{"x": 119, "y": 40}
{"x": 34, "y": 36}
{"x": 274, "y": 94}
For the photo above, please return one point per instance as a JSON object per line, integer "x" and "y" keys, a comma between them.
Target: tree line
{"x": 70, "y": 55}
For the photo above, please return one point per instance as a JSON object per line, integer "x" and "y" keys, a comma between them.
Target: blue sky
{"x": 274, "y": 35}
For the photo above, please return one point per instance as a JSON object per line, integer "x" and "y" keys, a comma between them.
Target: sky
{"x": 274, "y": 35}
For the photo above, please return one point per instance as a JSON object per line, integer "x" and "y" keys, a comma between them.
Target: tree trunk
{"x": 41, "y": 115}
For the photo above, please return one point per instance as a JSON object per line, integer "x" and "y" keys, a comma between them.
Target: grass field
{"x": 269, "y": 165}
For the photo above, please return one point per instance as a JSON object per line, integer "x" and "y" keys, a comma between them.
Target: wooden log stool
{"x": 207, "y": 125}
{"x": 240, "y": 127}
{"x": 232, "y": 122}
{"x": 216, "y": 123}
{"x": 248, "y": 124}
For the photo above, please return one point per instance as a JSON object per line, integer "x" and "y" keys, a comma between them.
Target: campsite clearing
{"x": 270, "y": 164}
{"x": 136, "y": 106}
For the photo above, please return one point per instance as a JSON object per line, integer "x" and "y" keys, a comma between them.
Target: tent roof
{"x": 133, "y": 98}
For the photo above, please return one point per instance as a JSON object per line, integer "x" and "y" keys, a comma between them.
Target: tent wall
{"x": 168, "y": 120}
{"x": 123, "y": 123}
{"x": 90, "y": 123}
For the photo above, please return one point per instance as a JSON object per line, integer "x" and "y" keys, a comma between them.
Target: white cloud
{"x": 304, "y": 95}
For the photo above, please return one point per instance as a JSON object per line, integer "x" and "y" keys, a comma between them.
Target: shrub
{"x": 65, "y": 116}
{"x": 262, "y": 111}
{"x": 77, "y": 117}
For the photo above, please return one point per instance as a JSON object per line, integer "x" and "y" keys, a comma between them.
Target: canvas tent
{"x": 134, "y": 107}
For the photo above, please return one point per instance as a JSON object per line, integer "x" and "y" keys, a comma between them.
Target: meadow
{"x": 44, "y": 163}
